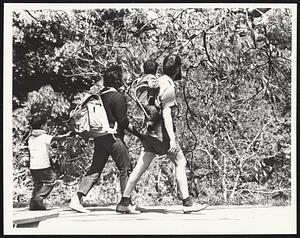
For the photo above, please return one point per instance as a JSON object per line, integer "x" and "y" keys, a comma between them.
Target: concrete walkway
{"x": 169, "y": 220}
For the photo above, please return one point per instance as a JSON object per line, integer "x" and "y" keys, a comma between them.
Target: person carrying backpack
{"x": 110, "y": 144}
{"x": 166, "y": 136}
{"x": 146, "y": 92}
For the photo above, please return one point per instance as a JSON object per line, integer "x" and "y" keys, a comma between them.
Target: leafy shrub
{"x": 234, "y": 122}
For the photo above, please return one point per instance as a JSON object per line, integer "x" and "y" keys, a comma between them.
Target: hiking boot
{"x": 129, "y": 209}
{"x": 77, "y": 206}
{"x": 194, "y": 208}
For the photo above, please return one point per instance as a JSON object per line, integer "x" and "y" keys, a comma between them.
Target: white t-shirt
{"x": 166, "y": 97}
{"x": 38, "y": 144}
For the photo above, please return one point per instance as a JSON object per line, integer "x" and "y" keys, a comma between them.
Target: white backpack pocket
{"x": 97, "y": 116}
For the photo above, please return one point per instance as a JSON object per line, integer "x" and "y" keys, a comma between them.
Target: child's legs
{"x": 48, "y": 178}
{"x": 142, "y": 165}
{"x": 37, "y": 183}
{"x": 180, "y": 173}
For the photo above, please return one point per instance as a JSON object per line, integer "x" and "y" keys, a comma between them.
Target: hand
{"x": 173, "y": 147}
{"x": 133, "y": 130}
{"x": 25, "y": 161}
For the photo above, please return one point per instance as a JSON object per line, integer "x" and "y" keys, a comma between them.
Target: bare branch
{"x": 205, "y": 46}
{"x": 32, "y": 16}
{"x": 257, "y": 135}
{"x": 232, "y": 144}
{"x": 212, "y": 158}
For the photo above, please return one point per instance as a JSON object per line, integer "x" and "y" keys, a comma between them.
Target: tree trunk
{"x": 234, "y": 186}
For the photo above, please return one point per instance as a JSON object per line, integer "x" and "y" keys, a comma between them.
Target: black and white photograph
{"x": 149, "y": 118}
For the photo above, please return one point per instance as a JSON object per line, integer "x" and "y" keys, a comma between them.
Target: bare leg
{"x": 180, "y": 172}
{"x": 142, "y": 165}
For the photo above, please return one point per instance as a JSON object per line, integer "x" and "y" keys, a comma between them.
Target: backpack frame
{"x": 136, "y": 87}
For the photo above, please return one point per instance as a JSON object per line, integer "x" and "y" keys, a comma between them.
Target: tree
{"x": 234, "y": 123}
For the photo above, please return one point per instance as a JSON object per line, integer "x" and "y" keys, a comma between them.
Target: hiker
{"x": 166, "y": 133}
{"x": 146, "y": 92}
{"x": 44, "y": 178}
{"x": 110, "y": 144}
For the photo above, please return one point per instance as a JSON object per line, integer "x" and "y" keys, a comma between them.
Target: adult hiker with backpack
{"x": 165, "y": 143}
{"x": 94, "y": 121}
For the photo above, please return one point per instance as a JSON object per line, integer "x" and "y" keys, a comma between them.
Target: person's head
{"x": 172, "y": 66}
{"x": 113, "y": 77}
{"x": 150, "y": 67}
{"x": 37, "y": 121}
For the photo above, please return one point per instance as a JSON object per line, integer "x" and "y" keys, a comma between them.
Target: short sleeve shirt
{"x": 166, "y": 92}
{"x": 39, "y": 151}
{"x": 167, "y": 98}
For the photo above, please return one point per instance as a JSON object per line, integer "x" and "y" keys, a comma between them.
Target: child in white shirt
{"x": 44, "y": 178}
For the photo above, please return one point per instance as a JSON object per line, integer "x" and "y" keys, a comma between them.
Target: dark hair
{"x": 170, "y": 64}
{"x": 113, "y": 77}
{"x": 150, "y": 67}
{"x": 37, "y": 121}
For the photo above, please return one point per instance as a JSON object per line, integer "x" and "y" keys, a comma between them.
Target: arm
{"x": 166, "y": 113}
{"x": 167, "y": 98}
{"x": 60, "y": 137}
{"x": 133, "y": 131}
{"x": 167, "y": 117}
{"x": 119, "y": 110}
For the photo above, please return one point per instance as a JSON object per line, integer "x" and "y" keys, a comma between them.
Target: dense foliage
{"x": 234, "y": 123}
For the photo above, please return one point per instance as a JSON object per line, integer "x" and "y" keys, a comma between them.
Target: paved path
{"x": 169, "y": 220}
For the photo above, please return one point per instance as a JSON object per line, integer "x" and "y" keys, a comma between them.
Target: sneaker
{"x": 137, "y": 208}
{"x": 130, "y": 209}
{"x": 77, "y": 206}
{"x": 194, "y": 208}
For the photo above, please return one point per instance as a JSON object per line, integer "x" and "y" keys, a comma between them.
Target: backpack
{"x": 145, "y": 95}
{"x": 89, "y": 118}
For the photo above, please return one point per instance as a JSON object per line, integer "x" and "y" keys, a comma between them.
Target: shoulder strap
{"x": 135, "y": 98}
{"x": 87, "y": 98}
{"x": 109, "y": 90}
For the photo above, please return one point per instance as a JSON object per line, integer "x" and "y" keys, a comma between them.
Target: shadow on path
{"x": 154, "y": 210}
{"x": 101, "y": 209}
